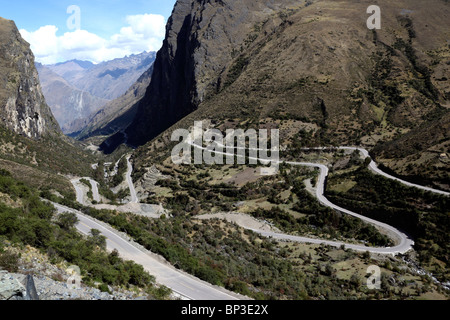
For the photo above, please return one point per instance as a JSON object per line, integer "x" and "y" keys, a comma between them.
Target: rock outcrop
{"x": 31, "y": 289}
{"x": 16, "y": 286}
{"x": 10, "y": 287}
{"x": 36, "y": 278}
{"x": 22, "y": 105}
{"x": 315, "y": 62}
{"x": 201, "y": 37}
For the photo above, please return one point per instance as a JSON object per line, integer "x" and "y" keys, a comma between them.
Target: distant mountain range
{"x": 116, "y": 115}
{"x": 67, "y": 102}
{"x": 76, "y": 89}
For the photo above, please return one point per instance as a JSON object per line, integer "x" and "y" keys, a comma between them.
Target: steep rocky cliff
{"x": 312, "y": 64}
{"x": 22, "y": 105}
{"x": 316, "y": 60}
{"x": 200, "y": 39}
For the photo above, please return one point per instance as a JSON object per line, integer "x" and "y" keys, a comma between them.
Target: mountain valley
{"x": 77, "y": 90}
{"x": 363, "y": 169}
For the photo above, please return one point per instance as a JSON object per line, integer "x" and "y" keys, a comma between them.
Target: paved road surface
{"x": 181, "y": 283}
{"x": 134, "y": 198}
{"x": 80, "y": 192}
{"x": 95, "y": 193}
{"x": 373, "y": 166}
{"x": 403, "y": 242}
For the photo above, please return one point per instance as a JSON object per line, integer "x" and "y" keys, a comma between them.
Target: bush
{"x": 236, "y": 70}
{"x": 120, "y": 176}
{"x": 9, "y": 261}
{"x": 67, "y": 220}
{"x": 32, "y": 225}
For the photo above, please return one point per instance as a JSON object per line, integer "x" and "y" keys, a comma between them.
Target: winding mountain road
{"x": 183, "y": 284}
{"x": 134, "y": 198}
{"x": 80, "y": 189}
{"x": 190, "y": 287}
{"x": 403, "y": 242}
{"x": 373, "y": 166}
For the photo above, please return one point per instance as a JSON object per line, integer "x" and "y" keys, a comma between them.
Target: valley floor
{"x": 189, "y": 287}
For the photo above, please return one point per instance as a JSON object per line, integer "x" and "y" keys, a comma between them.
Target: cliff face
{"x": 67, "y": 102}
{"x": 314, "y": 69}
{"x": 116, "y": 115}
{"x": 22, "y": 105}
{"x": 201, "y": 37}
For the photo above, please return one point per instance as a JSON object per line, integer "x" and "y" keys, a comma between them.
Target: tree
{"x": 97, "y": 239}
{"x": 67, "y": 220}
{"x": 114, "y": 257}
{"x": 355, "y": 281}
{"x": 366, "y": 255}
{"x": 329, "y": 270}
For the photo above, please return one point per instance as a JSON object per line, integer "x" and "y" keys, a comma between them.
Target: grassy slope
{"x": 33, "y": 223}
{"x": 44, "y": 163}
{"x": 321, "y": 67}
{"x": 422, "y": 215}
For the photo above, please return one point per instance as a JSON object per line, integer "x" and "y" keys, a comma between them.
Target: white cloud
{"x": 150, "y": 25}
{"x": 143, "y": 33}
{"x": 44, "y": 40}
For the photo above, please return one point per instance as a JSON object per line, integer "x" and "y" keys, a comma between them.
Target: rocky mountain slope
{"x": 315, "y": 63}
{"x": 107, "y": 80}
{"x": 200, "y": 39}
{"x": 32, "y": 145}
{"x": 66, "y": 101}
{"x": 116, "y": 115}
{"x": 23, "y": 107}
{"x": 76, "y": 90}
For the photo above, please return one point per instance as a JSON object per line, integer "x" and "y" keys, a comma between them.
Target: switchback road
{"x": 403, "y": 242}
{"x": 134, "y": 198}
{"x": 183, "y": 284}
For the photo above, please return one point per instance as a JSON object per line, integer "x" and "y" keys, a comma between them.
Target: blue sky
{"x": 108, "y": 28}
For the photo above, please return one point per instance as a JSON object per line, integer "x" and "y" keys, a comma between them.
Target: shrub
{"x": 9, "y": 261}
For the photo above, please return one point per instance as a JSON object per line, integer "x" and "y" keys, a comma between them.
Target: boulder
{"x": 10, "y": 288}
